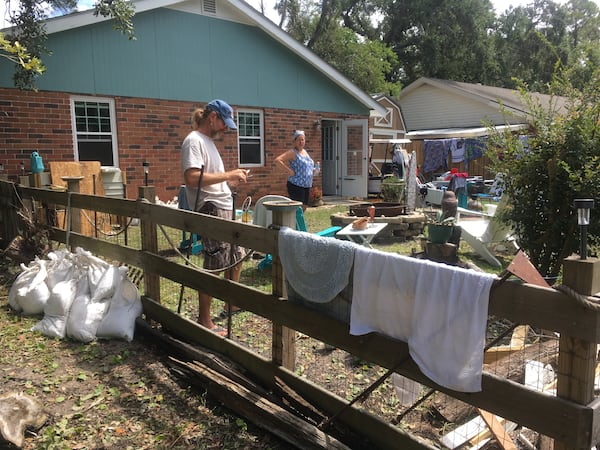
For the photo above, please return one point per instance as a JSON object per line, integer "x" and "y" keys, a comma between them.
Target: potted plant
{"x": 440, "y": 230}
{"x": 392, "y": 190}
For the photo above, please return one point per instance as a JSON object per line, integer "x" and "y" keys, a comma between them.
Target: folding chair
{"x": 481, "y": 233}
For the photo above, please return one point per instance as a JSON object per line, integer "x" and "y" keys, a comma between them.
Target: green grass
{"x": 320, "y": 218}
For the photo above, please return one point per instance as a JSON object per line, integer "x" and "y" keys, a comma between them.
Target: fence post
{"x": 577, "y": 358}
{"x": 74, "y": 214}
{"x": 9, "y": 205}
{"x": 149, "y": 242}
{"x": 283, "y": 349}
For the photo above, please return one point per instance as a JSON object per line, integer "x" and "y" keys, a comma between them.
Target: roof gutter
{"x": 448, "y": 133}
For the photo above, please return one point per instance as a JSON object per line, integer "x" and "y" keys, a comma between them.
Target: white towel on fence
{"x": 439, "y": 310}
{"x": 318, "y": 268}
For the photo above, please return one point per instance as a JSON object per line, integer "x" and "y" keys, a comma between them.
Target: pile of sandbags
{"x": 81, "y": 297}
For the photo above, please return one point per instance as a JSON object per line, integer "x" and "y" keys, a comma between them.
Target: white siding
{"x": 428, "y": 107}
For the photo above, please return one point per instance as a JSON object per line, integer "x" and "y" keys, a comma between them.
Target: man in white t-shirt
{"x": 202, "y": 164}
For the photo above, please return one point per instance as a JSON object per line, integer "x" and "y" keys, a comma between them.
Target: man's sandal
{"x": 219, "y": 330}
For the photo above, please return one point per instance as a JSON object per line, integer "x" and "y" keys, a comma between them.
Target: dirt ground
{"x": 111, "y": 394}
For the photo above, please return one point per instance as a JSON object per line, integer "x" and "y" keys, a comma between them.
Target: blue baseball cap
{"x": 224, "y": 111}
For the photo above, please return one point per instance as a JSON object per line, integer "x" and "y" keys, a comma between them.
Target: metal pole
{"x": 229, "y": 274}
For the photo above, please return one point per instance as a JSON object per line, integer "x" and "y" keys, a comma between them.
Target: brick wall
{"x": 148, "y": 130}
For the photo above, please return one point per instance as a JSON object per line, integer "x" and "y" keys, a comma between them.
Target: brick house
{"x": 105, "y": 98}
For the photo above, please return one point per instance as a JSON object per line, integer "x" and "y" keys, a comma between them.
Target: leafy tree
{"x": 28, "y": 31}
{"x": 18, "y": 54}
{"x": 583, "y": 40}
{"x": 369, "y": 64}
{"x": 445, "y": 39}
{"x": 560, "y": 163}
{"x": 530, "y": 41}
{"x": 365, "y": 63}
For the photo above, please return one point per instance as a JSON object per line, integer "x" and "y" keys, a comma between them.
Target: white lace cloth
{"x": 318, "y": 268}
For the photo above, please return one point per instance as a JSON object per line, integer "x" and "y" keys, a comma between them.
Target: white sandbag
{"x": 19, "y": 282}
{"x": 29, "y": 293}
{"x": 13, "y": 302}
{"x": 124, "y": 308}
{"x": 57, "y": 309}
{"x": 107, "y": 285}
{"x": 87, "y": 259}
{"x": 51, "y": 326}
{"x": 94, "y": 266}
{"x": 59, "y": 269}
{"x": 84, "y": 318}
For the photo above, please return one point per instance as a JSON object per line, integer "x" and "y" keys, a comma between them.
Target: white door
{"x": 354, "y": 155}
{"x": 330, "y": 159}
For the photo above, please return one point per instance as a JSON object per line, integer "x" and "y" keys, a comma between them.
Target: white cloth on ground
{"x": 317, "y": 267}
{"x": 439, "y": 310}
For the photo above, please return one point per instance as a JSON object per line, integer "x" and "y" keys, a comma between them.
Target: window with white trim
{"x": 250, "y": 138}
{"x": 94, "y": 130}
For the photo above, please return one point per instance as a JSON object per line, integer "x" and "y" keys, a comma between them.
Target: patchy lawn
{"x": 111, "y": 394}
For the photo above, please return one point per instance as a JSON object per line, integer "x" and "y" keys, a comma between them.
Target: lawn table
{"x": 363, "y": 237}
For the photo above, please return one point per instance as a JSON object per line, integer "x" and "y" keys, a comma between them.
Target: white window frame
{"x": 261, "y": 138}
{"x": 113, "y": 125}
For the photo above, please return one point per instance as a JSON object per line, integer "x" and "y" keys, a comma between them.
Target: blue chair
{"x": 301, "y": 225}
{"x": 193, "y": 244}
{"x": 263, "y": 217}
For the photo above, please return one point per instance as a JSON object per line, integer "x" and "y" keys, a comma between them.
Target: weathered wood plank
{"x": 555, "y": 417}
{"x": 149, "y": 243}
{"x": 381, "y": 433}
{"x": 544, "y": 308}
{"x": 108, "y": 250}
{"x": 116, "y": 206}
{"x": 244, "y": 234}
{"x": 263, "y": 413}
{"x": 577, "y": 357}
{"x": 283, "y": 347}
{"x": 497, "y": 430}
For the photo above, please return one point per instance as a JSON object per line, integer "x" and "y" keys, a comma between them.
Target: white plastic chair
{"x": 483, "y": 232}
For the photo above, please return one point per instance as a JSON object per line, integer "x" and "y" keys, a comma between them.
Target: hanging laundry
{"x": 435, "y": 154}
{"x": 457, "y": 150}
{"x": 317, "y": 267}
{"x": 440, "y": 310}
{"x": 474, "y": 149}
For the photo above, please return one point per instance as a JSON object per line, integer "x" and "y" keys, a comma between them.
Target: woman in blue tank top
{"x": 300, "y": 168}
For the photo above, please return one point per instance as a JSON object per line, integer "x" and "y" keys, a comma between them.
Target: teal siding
{"x": 197, "y": 59}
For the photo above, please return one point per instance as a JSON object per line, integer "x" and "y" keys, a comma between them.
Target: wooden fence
{"x": 570, "y": 418}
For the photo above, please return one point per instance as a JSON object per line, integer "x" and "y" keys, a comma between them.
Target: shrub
{"x": 561, "y": 162}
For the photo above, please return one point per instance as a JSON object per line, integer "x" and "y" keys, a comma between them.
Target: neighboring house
{"x": 124, "y": 102}
{"x": 385, "y": 134}
{"x": 390, "y": 127}
{"x": 436, "y": 110}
